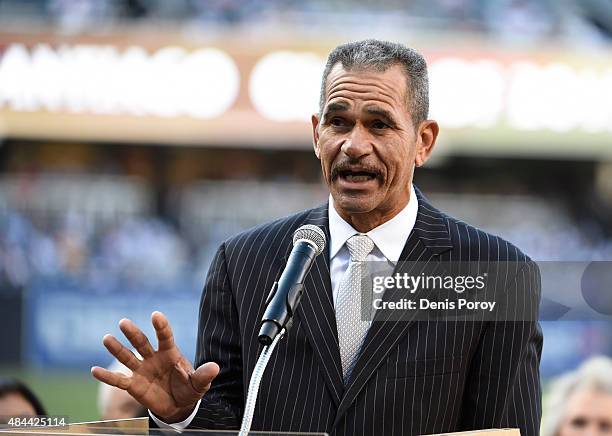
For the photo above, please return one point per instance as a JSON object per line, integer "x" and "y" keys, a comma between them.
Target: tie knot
{"x": 359, "y": 246}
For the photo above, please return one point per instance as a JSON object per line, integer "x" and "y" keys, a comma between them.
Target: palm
{"x": 163, "y": 381}
{"x": 158, "y": 382}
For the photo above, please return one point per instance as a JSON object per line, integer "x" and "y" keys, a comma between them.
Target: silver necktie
{"x": 351, "y": 329}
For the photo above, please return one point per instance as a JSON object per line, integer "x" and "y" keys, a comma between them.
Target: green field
{"x": 69, "y": 393}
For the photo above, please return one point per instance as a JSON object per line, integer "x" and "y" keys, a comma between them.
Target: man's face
{"x": 367, "y": 143}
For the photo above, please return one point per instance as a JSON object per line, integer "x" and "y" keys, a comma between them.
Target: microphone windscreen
{"x": 312, "y": 234}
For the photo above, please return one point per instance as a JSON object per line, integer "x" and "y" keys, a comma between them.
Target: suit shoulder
{"x": 475, "y": 244}
{"x": 271, "y": 237}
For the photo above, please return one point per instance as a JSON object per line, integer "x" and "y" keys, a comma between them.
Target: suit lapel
{"x": 316, "y": 310}
{"x": 428, "y": 239}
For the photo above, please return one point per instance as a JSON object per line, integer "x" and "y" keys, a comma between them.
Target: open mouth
{"x": 359, "y": 176}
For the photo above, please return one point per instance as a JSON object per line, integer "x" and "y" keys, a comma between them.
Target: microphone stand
{"x": 308, "y": 242}
{"x": 260, "y": 366}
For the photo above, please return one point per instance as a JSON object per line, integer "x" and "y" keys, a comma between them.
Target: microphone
{"x": 285, "y": 295}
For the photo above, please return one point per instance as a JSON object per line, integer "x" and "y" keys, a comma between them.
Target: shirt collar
{"x": 389, "y": 237}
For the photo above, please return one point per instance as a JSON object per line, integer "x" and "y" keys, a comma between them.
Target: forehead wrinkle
{"x": 386, "y": 91}
{"x": 368, "y": 98}
{"x": 349, "y": 85}
{"x": 359, "y": 80}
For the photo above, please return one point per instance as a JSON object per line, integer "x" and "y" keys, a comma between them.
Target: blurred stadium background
{"x": 136, "y": 135}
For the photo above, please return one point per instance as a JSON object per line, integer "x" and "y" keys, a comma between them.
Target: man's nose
{"x": 358, "y": 144}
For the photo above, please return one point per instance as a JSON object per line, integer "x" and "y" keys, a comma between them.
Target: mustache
{"x": 355, "y": 166}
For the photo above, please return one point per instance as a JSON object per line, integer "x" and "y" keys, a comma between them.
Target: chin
{"x": 352, "y": 204}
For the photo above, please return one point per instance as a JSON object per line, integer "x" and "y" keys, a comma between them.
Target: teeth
{"x": 353, "y": 178}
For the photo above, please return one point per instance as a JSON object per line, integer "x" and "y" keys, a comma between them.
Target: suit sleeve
{"x": 219, "y": 341}
{"x": 503, "y": 386}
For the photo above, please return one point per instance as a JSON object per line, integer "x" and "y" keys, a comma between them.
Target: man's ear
{"x": 315, "y": 135}
{"x": 426, "y": 140}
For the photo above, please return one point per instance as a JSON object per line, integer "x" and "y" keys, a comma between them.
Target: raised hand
{"x": 164, "y": 381}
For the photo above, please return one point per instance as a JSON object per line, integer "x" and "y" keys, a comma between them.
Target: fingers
{"x": 165, "y": 339}
{"x": 136, "y": 337}
{"x": 202, "y": 377}
{"x": 122, "y": 354}
{"x": 116, "y": 379}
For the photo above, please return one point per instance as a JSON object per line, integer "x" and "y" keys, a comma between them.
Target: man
{"x": 330, "y": 374}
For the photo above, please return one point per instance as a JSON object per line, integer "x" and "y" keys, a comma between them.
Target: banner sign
{"x": 65, "y": 325}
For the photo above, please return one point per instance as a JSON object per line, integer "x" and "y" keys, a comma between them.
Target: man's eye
{"x": 379, "y": 125}
{"x": 336, "y": 121}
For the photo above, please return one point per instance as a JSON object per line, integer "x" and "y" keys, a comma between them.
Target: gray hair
{"x": 372, "y": 54}
{"x": 595, "y": 374}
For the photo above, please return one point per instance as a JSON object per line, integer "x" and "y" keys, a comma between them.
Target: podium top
{"x": 490, "y": 432}
{"x": 140, "y": 427}
{"x": 126, "y": 427}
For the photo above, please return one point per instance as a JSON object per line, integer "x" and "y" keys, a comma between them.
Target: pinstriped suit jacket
{"x": 411, "y": 378}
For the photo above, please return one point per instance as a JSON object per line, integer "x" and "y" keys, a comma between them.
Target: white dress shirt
{"x": 389, "y": 240}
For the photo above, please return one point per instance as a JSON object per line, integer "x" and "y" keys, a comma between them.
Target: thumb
{"x": 202, "y": 377}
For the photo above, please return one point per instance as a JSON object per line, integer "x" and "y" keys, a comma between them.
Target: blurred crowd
{"x": 142, "y": 250}
{"x": 131, "y": 249}
{"x": 514, "y": 20}
{"x": 542, "y": 228}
